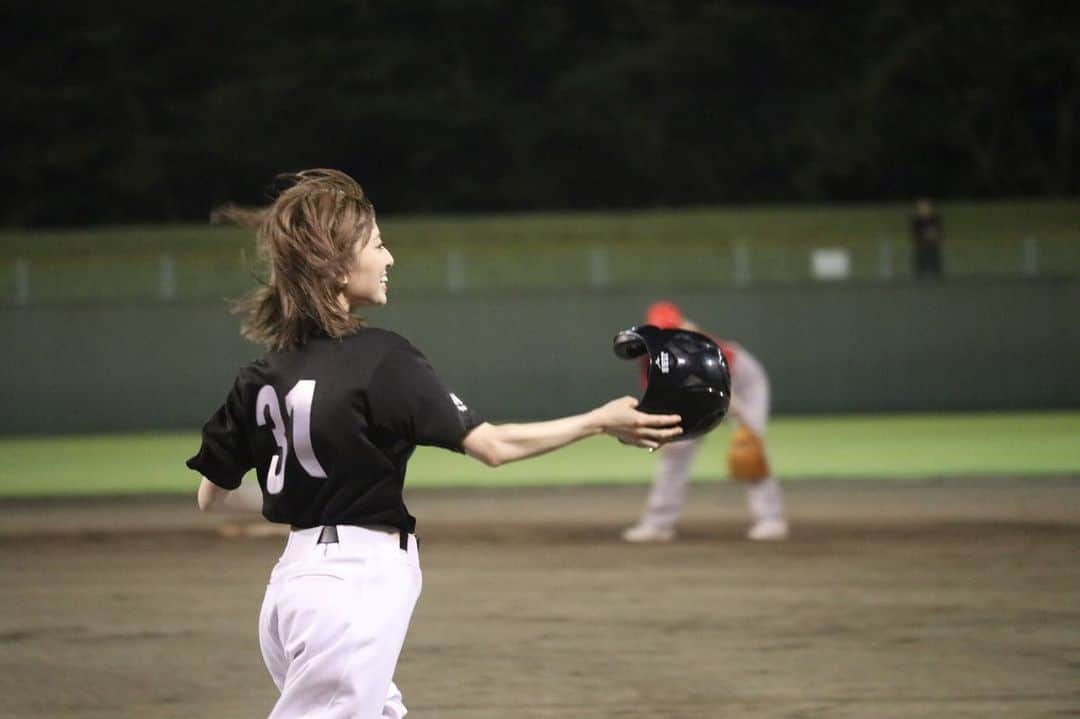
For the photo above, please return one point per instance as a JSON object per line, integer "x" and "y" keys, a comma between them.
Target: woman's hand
{"x": 622, "y": 420}
{"x": 496, "y": 444}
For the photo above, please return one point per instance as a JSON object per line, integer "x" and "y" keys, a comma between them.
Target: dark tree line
{"x": 146, "y": 112}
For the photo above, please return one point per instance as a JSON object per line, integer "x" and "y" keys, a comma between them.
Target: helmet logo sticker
{"x": 663, "y": 361}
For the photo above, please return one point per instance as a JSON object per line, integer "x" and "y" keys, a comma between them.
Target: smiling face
{"x": 368, "y": 279}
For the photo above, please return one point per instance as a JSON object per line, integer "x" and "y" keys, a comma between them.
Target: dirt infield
{"x": 892, "y": 599}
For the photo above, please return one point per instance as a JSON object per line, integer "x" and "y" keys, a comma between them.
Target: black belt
{"x": 329, "y": 534}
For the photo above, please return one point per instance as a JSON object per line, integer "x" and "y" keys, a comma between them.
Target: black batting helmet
{"x": 687, "y": 375}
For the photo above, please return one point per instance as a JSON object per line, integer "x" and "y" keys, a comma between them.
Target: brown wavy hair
{"x": 307, "y": 237}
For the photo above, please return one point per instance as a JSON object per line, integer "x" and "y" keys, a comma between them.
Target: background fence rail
{"x": 693, "y": 249}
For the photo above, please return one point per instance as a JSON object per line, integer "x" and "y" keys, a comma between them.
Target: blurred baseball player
{"x": 328, "y": 419}
{"x": 747, "y": 458}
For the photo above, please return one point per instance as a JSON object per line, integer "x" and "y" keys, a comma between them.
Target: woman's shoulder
{"x": 385, "y": 351}
{"x": 366, "y": 344}
{"x": 378, "y": 342}
{"x": 255, "y": 370}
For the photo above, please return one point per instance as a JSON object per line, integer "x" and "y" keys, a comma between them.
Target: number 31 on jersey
{"x": 298, "y": 405}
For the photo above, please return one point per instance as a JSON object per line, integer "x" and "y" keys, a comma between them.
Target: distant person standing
{"x": 926, "y": 237}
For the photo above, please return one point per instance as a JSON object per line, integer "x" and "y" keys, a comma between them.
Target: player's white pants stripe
{"x": 333, "y": 622}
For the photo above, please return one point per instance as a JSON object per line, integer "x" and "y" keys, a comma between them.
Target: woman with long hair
{"x": 328, "y": 419}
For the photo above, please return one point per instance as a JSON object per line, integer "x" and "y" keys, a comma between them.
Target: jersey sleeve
{"x": 225, "y": 455}
{"x": 407, "y": 399}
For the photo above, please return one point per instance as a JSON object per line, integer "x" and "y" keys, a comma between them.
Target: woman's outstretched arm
{"x": 495, "y": 444}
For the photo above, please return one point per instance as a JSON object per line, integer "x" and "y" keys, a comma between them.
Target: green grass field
{"x": 856, "y": 447}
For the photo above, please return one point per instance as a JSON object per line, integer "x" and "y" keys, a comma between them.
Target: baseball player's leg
{"x": 278, "y": 665}
{"x": 273, "y": 651}
{"x": 670, "y": 485}
{"x": 335, "y": 622}
{"x": 393, "y": 706}
{"x": 766, "y": 504}
{"x": 764, "y": 497}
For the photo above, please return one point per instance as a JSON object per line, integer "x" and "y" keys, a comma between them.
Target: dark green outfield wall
{"x": 829, "y": 348}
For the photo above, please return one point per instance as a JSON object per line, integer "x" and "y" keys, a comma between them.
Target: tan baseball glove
{"x": 746, "y": 457}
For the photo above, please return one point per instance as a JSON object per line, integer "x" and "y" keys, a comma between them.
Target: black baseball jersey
{"x": 329, "y": 427}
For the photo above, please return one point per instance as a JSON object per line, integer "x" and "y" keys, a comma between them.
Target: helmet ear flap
{"x": 629, "y": 344}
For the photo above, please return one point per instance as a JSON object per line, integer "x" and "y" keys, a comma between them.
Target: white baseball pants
{"x": 671, "y": 484}
{"x": 333, "y": 621}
